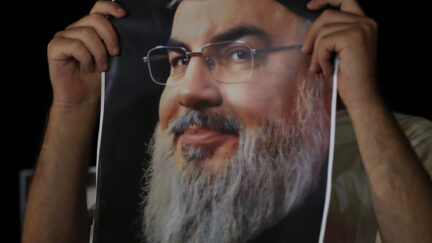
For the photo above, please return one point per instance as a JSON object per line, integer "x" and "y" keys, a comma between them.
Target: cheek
{"x": 258, "y": 101}
{"x": 167, "y": 107}
{"x": 271, "y": 92}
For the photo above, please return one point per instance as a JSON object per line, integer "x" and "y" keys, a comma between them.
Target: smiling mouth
{"x": 201, "y": 136}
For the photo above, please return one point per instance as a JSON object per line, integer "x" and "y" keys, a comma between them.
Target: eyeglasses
{"x": 227, "y": 61}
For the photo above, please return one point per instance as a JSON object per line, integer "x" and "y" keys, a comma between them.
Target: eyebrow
{"x": 230, "y": 35}
{"x": 240, "y": 32}
{"x": 177, "y": 43}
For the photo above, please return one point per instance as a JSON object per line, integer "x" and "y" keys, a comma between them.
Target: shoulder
{"x": 351, "y": 209}
{"x": 418, "y": 130}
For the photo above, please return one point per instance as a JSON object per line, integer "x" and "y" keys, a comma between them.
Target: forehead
{"x": 198, "y": 21}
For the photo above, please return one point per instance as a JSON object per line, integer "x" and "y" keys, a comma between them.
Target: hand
{"x": 78, "y": 55}
{"x": 351, "y": 35}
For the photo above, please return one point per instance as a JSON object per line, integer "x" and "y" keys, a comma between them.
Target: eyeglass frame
{"x": 190, "y": 54}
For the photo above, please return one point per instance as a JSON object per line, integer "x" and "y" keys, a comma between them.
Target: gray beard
{"x": 275, "y": 168}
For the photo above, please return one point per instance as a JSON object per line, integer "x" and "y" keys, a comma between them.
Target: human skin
{"x": 56, "y": 206}
{"x": 400, "y": 188}
{"x": 273, "y": 84}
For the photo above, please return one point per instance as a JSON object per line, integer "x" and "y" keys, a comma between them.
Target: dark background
{"x": 404, "y": 54}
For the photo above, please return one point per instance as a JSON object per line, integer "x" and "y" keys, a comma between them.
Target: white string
{"x": 102, "y": 107}
{"x": 331, "y": 151}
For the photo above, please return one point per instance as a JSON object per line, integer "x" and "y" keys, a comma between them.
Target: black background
{"x": 404, "y": 54}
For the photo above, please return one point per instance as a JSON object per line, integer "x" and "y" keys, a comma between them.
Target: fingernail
{"x": 105, "y": 66}
{"x": 115, "y": 51}
{"x": 303, "y": 49}
{"x": 312, "y": 69}
{"x": 121, "y": 11}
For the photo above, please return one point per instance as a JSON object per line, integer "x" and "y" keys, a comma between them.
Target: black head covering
{"x": 296, "y": 6}
{"x": 299, "y": 7}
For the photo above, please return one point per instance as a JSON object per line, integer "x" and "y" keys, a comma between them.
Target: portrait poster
{"x": 212, "y": 129}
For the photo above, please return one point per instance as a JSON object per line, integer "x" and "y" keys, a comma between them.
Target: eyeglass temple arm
{"x": 154, "y": 58}
{"x": 147, "y": 57}
{"x": 275, "y": 49}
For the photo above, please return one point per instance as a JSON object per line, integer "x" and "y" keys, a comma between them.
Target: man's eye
{"x": 237, "y": 54}
{"x": 209, "y": 62}
{"x": 240, "y": 54}
{"x": 179, "y": 61}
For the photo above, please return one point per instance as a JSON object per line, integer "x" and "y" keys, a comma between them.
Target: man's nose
{"x": 198, "y": 90}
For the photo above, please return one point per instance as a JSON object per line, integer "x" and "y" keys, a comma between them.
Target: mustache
{"x": 214, "y": 121}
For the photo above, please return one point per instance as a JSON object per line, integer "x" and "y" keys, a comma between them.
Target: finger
{"x": 328, "y": 44}
{"x": 321, "y": 58}
{"x": 327, "y": 18}
{"x": 315, "y": 35}
{"x": 108, "y": 8}
{"x": 103, "y": 28}
{"x": 323, "y": 33}
{"x": 64, "y": 49}
{"x": 92, "y": 42}
{"x": 351, "y": 6}
{"x": 324, "y": 58}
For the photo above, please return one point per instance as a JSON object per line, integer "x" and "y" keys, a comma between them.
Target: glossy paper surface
{"x": 233, "y": 158}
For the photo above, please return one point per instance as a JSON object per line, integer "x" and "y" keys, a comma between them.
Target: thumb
{"x": 352, "y": 6}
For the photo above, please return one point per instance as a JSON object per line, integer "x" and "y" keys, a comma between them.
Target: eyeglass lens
{"x": 229, "y": 62}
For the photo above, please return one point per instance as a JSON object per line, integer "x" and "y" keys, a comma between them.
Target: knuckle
{"x": 323, "y": 30}
{"x": 95, "y": 16}
{"x": 58, "y": 34}
{"x": 114, "y": 5}
{"x": 366, "y": 30}
{"x": 369, "y": 24}
{"x": 328, "y": 12}
{"x": 361, "y": 27}
{"x": 100, "y": 2}
{"x": 357, "y": 36}
{"x": 87, "y": 31}
{"x": 77, "y": 45}
{"x": 51, "y": 45}
{"x": 325, "y": 13}
{"x": 85, "y": 21}
{"x": 70, "y": 26}
{"x": 372, "y": 23}
{"x": 104, "y": 7}
{"x": 326, "y": 37}
{"x": 357, "y": 31}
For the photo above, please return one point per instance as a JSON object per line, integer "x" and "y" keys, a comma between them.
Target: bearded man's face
{"x": 230, "y": 159}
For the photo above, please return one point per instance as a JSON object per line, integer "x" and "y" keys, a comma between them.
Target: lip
{"x": 197, "y": 135}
